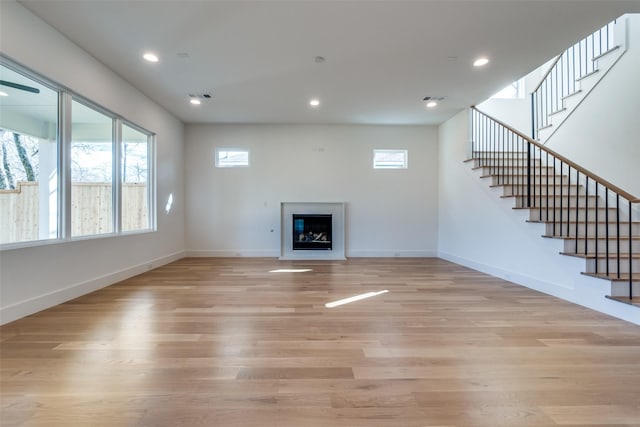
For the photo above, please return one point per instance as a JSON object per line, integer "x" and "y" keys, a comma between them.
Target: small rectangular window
{"x": 232, "y": 157}
{"x": 390, "y": 159}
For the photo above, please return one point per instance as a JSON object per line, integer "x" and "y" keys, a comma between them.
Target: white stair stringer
{"x": 575, "y": 221}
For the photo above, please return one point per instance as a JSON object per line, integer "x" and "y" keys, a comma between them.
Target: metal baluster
{"x": 586, "y": 225}
{"x": 561, "y": 201}
{"x": 548, "y": 200}
{"x": 555, "y": 173}
{"x": 618, "y": 231}
{"x": 569, "y": 199}
{"x": 578, "y": 208}
{"x": 630, "y": 257}
{"x": 606, "y": 220}
{"x": 528, "y": 174}
{"x": 586, "y": 207}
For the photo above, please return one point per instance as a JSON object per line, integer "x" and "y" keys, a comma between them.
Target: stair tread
{"x": 557, "y": 111}
{"x": 624, "y": 277}
{"x": 546, "y": 236}
{"x": 550, "y": 196}
{"x": 569, "y": 95}
{"x": 603, "y": 54}
{"x": 595, "y": 71}
{"x": 587, "y": 222}
{"x": 536, "y": 176}
{"x": 511, "y": 167}
{"x": 600, "y": 208}
{"x": 634, "y": 302}
{"x": 591, "y": 255}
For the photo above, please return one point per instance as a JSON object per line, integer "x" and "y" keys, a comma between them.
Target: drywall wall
{"x": 236, "y": 211}
{"x": 602, "y": 133}
{"x": 481, "y": 230}
{"x": 33, "y": 278}
{"x": 516, "y": 112}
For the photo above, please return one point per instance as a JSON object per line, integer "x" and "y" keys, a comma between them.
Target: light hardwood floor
{"x": 225, "y": 342}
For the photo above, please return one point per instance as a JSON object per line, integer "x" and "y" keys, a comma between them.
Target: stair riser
{"x": 601, "y": 229}
{"x": 570, "y": 246}
{"x": 565, "y": 215}
{"x": 519, "y": 191}
{"x": 504, "y": 162}
{"x": 621, "y": 289}
{"x": 544, "y": 201}
{"x": 590, "y": 265}
{"x": 488, "y": 155}
{"x": 511, "y": 170}
{"x": 521, "y": 180}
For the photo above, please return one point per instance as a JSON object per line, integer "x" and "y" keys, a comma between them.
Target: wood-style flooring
{"x": 226, "y": 342}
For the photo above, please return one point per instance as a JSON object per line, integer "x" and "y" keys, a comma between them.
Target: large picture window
{"x": 28, "y": 159}
{"x": 135, "y": 177}
{"x": 104, "y": 185}
{"x": 91, "y": 171}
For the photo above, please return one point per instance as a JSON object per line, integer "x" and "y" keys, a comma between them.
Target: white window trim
{"x": 405, "y": 153}
{"x": 238, "y": 149}
{"x": 65, "y": 97}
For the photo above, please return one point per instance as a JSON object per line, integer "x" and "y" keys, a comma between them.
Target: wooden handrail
{"x": 547, "y": 73}
{"x": 560, "y": 157}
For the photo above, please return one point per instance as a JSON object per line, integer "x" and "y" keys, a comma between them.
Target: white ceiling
{"x": 256, "y": 58}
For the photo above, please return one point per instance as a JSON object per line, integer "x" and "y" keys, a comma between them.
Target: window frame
{"x": 219, "y": 150}
{"x": 404, "y": 151}
{"x": 64, "y": 140}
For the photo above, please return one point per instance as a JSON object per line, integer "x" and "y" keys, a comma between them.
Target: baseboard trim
{"x": 42, "y": 302}
{"x": 392, "y": 254}
{"x": 593, "y": 291}
{"x": 231, "y": 253}
{"x": 508, "y": 275}
{"x": 228, "y": 253}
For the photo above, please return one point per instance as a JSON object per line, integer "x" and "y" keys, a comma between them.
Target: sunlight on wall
{"x": 167, "y": 207}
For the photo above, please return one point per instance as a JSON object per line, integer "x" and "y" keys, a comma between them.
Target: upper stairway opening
{"x": 594, "y": 120}
{"x": 541, "y": 101}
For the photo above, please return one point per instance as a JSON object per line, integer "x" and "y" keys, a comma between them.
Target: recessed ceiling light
{"x": 432, "y": 104}
{"x": 195, "y": 101}
{"x": 151, "y": 57}
{"x": 314, "y": 102}
{"x": 480, "y": 62}
{"x": 3, "y": 93}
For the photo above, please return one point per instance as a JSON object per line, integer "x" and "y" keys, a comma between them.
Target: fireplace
{"x": 312, "y": 232}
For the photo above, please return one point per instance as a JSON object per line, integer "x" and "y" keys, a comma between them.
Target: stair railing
{"x": 559, "y": 192}
{"x": 563, "y": 77}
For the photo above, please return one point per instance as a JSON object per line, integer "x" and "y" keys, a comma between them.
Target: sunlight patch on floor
{"x": 354, "y": 298}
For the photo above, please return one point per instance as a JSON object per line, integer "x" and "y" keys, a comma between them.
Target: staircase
{"x": 573, "y": 75}
{"x": 597, "y": 221}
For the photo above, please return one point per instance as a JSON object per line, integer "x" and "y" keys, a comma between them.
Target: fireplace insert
{"x": 312, "y": 232}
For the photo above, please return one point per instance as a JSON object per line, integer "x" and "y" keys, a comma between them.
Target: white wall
{"x": 34, "y": 278}
{"x": 516, "y": 112}
{"x": 603, "y": 133}
{"x": 234, "y": 212}
{"x": 480, "y": 230}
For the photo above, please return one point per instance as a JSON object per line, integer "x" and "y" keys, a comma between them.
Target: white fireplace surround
{"x": 337, "y": 212}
